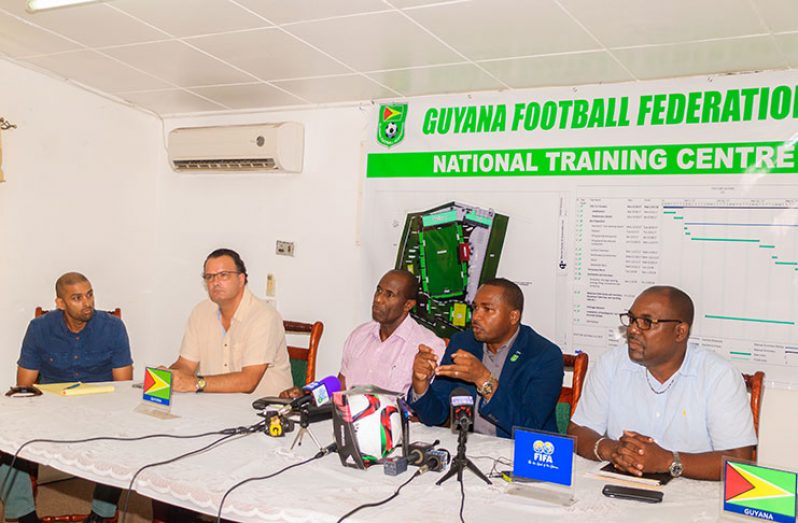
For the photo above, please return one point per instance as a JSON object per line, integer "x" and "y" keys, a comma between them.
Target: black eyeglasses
{"x": 222, "y": 275}
{"x": 644, "y": 324}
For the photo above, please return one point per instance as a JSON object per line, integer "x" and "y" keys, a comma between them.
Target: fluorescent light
{"x": 42, "y": 5}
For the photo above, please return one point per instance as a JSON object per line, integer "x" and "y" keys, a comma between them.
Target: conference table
{"x": 320, "y": 491}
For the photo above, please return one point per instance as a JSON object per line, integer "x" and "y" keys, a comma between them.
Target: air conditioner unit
{"x": 263, "y": 147}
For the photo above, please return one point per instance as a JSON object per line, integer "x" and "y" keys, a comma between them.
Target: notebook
{"x": 156, "y": 399}
{"x": 755, "y": 493}
{"x": 75, "y": 388}
{"x": 650, "y": 478}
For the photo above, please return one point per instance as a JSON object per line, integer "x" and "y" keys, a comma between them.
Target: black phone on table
{"x": 636, "y": 494}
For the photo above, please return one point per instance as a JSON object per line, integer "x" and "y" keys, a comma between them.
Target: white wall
{"x": 317, "y": 209}
{"x": 79, "y": 195}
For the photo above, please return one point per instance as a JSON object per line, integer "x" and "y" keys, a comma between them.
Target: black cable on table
{"x": 384, "y": 501}
{"x": 462, "y": 500}
{"x": 318, "y": 455}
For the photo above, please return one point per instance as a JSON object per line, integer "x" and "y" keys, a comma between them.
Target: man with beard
{"x": 233, "y": 342}
{"x": 381, "y": 352}
{"x": 72, "y": 343}
{"x": 659, "y": 404}
{"x": 516, "y": 372}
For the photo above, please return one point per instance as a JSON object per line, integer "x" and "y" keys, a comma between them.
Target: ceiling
{"x": 191, "y": 56}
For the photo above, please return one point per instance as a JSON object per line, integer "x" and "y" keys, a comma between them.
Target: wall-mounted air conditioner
{"x": 263, "y": 147}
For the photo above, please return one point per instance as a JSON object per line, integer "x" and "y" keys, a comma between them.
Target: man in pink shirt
{"x": 381, "y": 352}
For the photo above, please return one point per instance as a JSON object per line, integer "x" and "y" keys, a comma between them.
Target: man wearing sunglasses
{"x": 659, "y": 404}
{"x": 233, "y": 342}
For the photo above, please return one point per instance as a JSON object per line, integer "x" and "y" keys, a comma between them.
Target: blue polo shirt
{"x": 61, "y": 355}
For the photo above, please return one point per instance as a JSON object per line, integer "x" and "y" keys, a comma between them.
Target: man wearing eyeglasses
{"x": 233, "y": 342}
{"x": 659, "y": 404}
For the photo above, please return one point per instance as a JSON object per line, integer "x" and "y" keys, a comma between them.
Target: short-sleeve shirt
{"x": 256, "y": 336}
{"x": 703, "y": 407}
{"x": 367, "y": 360}
{"x": 61, "y": 355}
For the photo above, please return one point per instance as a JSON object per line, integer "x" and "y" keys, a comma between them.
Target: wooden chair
{"x": 755, "y": 385}
{"x": 569, "y": 396}
{"x": 34, "y": 470}
{"x": 303, "y": 359}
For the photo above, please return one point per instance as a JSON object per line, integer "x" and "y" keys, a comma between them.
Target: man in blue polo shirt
{"x": 72, "y": 343}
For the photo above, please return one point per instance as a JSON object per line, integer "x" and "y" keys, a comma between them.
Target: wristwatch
{"x": 487, "y": 388}
{"x": 676, "y": 468}
{"x": 200, "y": 385}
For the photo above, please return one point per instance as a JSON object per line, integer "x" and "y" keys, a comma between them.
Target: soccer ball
{"x": 390, "y": 130}
{"x": 378, "y": 424}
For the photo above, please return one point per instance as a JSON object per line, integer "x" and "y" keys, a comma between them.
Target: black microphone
{"x": 319, "y": 393}
{"x": 462, "y": 409}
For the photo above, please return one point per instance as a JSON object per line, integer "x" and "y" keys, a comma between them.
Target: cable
{"x": 419, "y": 472}
{"x": 462, "y": 500}
{"x": 323, "y": 452}
{"x": 229, "y": 433}
{"x": 109, "y": 438}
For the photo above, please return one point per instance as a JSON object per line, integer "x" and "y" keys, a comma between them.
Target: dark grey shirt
{"x": 494, "y": 364}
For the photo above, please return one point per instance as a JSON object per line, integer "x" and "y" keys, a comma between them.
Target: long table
{"x": 318, "y": 492}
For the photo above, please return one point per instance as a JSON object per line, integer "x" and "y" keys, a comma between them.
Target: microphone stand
{"x": 304, "y": 422}
{"x": 461, "y": 462}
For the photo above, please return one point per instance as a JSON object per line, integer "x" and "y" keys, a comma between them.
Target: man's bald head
{"x": 409, "y": 282}
{"x": 69, "y": 278}
{"x": 681, "y": 304}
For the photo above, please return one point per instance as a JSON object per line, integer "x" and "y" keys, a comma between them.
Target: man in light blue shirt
{"x": 659, "y": 405}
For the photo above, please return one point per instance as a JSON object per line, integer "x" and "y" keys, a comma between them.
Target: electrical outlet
{"x": 284, "y": 248}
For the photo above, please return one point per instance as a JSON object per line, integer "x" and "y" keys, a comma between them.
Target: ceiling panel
{"x": 375, "y": 42}
{"x": 269, "y": 54}
{"x": 249, "y": 96}
{"x": 178, "y": 63}
{"x": 440, "y": 79}
{"x": 98, "y": 71}
{"x": 779, "y": 15}
{"x": 788, "y": 43}
{"x": 93, "y": 25}
{"x": 18, "y": 38}
{"x": 573, "y": 69}
{"x": 483, "y": 29}
{"x": 191, "y": 17}
{"x": 184, "y": 56}
{"x": 336, "y": 89}
{"x": 719, "y": 56}
{"x": 282, "y": 12}
{"x": 171, "y": 101}
{"x": 646, "y": 22}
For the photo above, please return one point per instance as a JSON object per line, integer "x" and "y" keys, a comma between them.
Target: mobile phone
{"x": 637, "y": 494}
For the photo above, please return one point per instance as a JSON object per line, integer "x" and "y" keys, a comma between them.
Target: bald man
{"x": 659, "y": 405}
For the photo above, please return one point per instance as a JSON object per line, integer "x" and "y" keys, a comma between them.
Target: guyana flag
{"x": 157, "y": 385}
{"x": 760, "y": 492}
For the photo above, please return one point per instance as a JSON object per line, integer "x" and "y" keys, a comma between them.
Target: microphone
{"x": 462, "y": 409}
{"x": 318, "y": 393}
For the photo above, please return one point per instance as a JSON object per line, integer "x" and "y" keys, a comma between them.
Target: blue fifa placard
{"x": 543, "y": 456}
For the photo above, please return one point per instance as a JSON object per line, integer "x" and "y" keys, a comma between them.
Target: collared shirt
{"x": 367, "y": 360}
{"x": 494, "y": 363}
{"x": 256, "y": 336}
{"x": 703, "y": 407}
{"x": 61, "y": 355}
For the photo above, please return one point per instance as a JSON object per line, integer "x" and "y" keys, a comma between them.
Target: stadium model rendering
{"x": 452, "y": 249}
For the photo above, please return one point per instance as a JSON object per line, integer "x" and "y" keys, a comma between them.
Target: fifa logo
{"x": 543, "y": 451}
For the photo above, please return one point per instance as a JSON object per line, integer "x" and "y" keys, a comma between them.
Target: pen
{"x": 74, "y": 386}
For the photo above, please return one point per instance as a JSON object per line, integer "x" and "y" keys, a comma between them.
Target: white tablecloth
{"x": 321, "y": 491}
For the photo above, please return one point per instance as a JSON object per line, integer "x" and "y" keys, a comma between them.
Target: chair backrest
{"x": 569, "y": 396}
{"x": 40, "y": 312}
{"x": 303, "y": 359}
{"x": 754, "y": 384}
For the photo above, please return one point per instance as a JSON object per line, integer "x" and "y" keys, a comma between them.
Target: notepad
{"x": 75, "y": 388}
{"x": 652, "y": 478}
